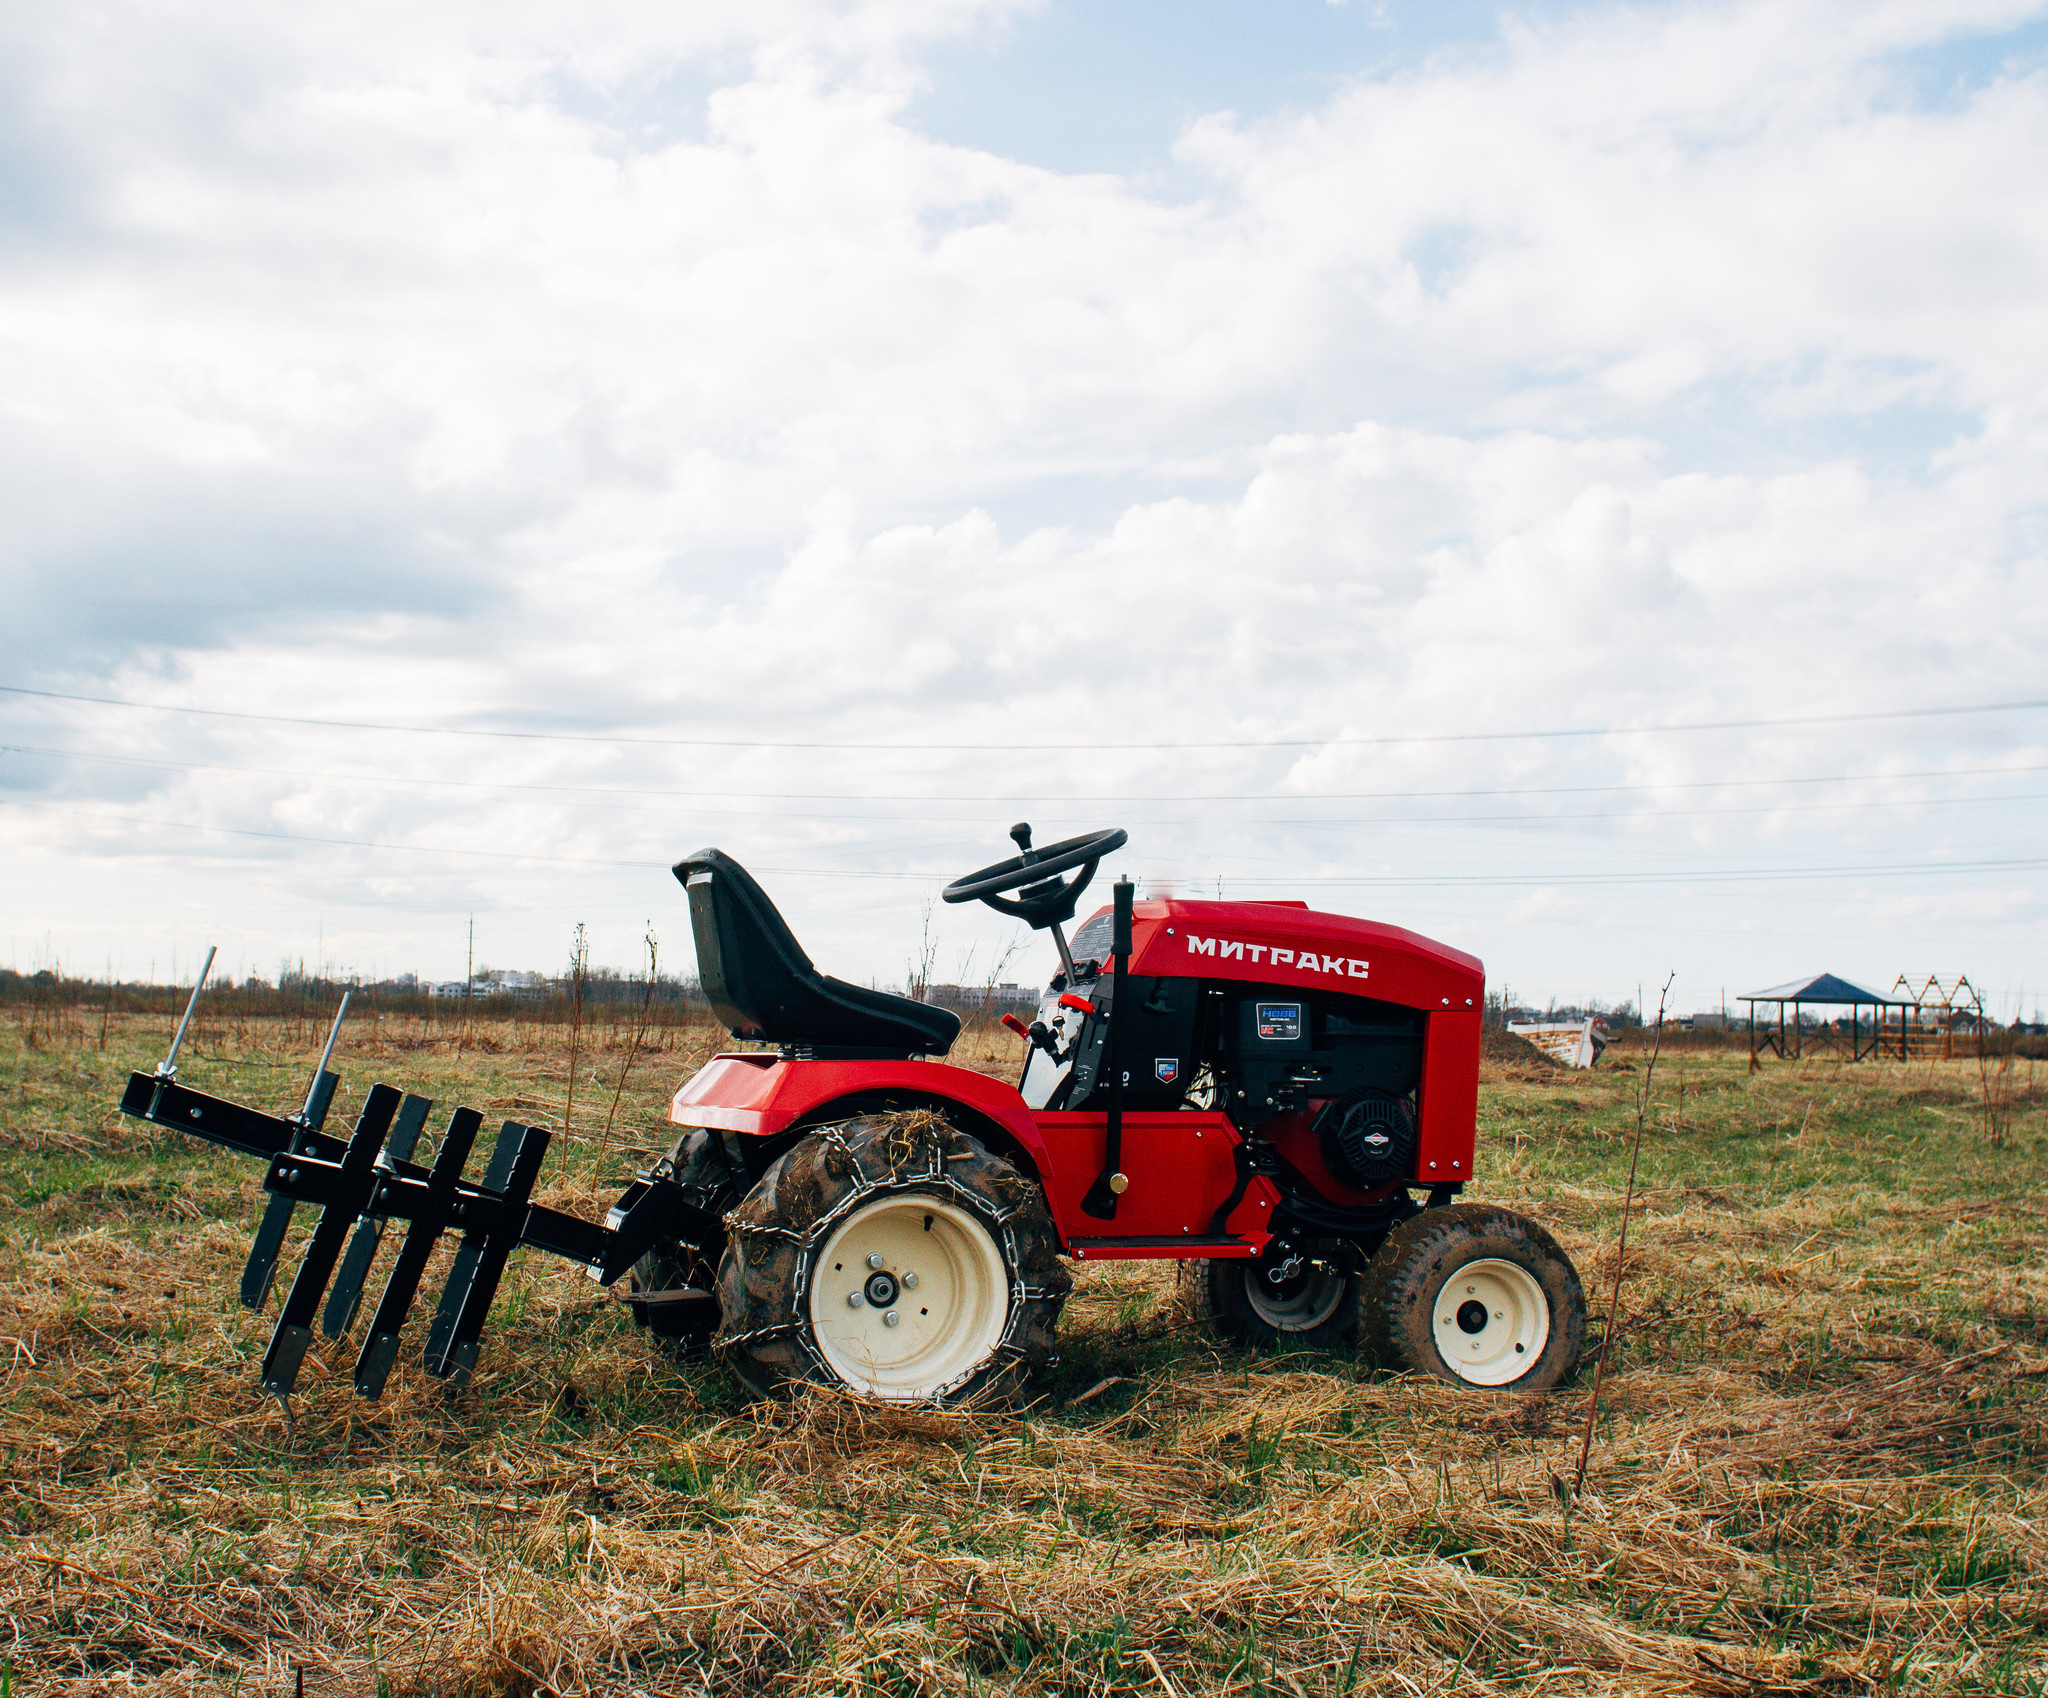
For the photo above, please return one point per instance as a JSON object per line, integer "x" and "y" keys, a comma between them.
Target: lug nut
{"x": 891, "y": 1319}
{"x": 874, "y": 1258}
{"x": 854, "y": 1299}
{"x": 910, "y": 1282}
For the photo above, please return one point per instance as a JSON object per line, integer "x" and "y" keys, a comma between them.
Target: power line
{"x": 1010, "y": 747}
{"x": 303, "y": 837}
{"x": 1709, "y": 875}
{"x": 389, "y": 782}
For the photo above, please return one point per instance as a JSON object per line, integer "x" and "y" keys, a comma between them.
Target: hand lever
{"x": 1037, "y": 1034}
{"x": 1111, "y": 1183}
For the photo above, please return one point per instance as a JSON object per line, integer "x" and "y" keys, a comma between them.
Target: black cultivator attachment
{"x": 366, "y": 1181}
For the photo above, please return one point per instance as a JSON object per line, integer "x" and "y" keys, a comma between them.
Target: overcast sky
{"x": 1372, "y": 453}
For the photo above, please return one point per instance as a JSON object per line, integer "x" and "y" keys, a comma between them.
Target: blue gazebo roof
{"x": 1822, "y": 987}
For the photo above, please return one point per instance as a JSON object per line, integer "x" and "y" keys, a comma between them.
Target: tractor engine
{"x": 1265, "y": 1054}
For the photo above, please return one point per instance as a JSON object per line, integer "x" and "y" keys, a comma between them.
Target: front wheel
{"x": 1478, "y": 1296}
{"x": 896, "y": 1257}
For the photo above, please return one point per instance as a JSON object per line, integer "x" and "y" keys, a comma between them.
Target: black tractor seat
{"x": 762, "y": 986}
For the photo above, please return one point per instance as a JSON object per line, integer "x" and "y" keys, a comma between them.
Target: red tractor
{"x": 1250, "y": 1089}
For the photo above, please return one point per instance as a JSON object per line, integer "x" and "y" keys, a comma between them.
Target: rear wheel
{"x": 894, "y": 1256}
{"x": 1476, "y": 1295}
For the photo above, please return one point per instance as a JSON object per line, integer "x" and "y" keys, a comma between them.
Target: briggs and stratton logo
{"x": 1301, "y": 960}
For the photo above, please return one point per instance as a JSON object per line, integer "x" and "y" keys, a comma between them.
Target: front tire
{"x": 1478, "y": 1296}
{"x": 896, "y": 1257}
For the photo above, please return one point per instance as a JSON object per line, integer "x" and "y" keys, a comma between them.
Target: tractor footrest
{"x": 1161, "y": 1241}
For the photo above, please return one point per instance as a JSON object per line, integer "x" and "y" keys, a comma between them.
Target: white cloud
{"x": 1558, "y": 384}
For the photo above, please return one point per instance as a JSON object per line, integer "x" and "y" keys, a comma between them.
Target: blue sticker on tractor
{"x": 1280, "y": 1020}
{"x": 1166, "y": 1069}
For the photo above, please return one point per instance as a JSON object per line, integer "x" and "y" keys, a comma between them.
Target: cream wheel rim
{"x": 1491, "y": 1322}
{"x": 909, "y": 1297}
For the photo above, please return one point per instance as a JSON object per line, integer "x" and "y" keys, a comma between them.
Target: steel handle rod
{"x": 170, "y": 1065}
{"x": 333, "y": 1032}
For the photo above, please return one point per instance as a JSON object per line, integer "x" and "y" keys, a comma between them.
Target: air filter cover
{"x": 1367, "y": 1138}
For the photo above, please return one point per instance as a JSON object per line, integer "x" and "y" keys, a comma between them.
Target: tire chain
{"x": 1008, "y": 1348}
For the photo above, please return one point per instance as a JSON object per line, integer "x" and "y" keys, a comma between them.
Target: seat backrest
{"x": 762, "y": 985}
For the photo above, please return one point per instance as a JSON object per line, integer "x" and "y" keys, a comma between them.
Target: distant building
{"x": 996, "y": 998}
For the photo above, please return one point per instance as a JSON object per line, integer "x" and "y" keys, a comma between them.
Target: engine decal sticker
{"x": 1306, "y": 960}
{"x": 1281, "y": 1020}
{"x": 1166, "y": 1069}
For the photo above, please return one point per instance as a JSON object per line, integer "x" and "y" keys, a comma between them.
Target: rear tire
{"x": 1478, "y": 1296}
{"x": 896, "y": 1257}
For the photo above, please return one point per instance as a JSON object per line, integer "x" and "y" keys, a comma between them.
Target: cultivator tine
{"x": 459, "y": 1322}
{"x": 277, "y": 1213}
{"x": 380, "y": 1349}
{"x": 466, "y": 1253}
{"x": 349, "y": 1191}
{"x": 347, "y": 1295}
{"x": 366, "y": 1181}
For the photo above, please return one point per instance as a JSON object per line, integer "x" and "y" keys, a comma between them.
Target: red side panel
{"x": 1181, "y": 1173}
{"x": 1448, "y": 1114}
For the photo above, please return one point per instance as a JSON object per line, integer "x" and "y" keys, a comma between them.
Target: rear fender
{"x": 767, "y": 1101}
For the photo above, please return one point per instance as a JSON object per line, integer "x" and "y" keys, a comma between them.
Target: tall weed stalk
{"x": 1628, "y": 1203}
{"x": 1996, "y": 1081}
{"x": 639, "y": 1033}
{"x": 579, "y": 977}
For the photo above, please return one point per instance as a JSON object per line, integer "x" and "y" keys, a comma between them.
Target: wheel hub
{"x": 1492, "y": 1321}
{"x": 908, "y": 1297}
{"x": 1290, "y": 1293}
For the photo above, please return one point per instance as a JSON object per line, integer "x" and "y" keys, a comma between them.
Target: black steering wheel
{"x": 1042, "y": 898}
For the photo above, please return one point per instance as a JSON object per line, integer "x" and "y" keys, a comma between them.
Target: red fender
{"x": 1181, "y": 1166}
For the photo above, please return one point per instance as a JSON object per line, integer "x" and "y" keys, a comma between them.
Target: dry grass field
{"x": 1818, "y": 1465}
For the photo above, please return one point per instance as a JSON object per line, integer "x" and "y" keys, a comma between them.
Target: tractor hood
{"x": 1275, "y": 943}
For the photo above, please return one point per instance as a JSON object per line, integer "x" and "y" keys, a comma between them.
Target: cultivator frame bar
{"x": 364, "y": 1182}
